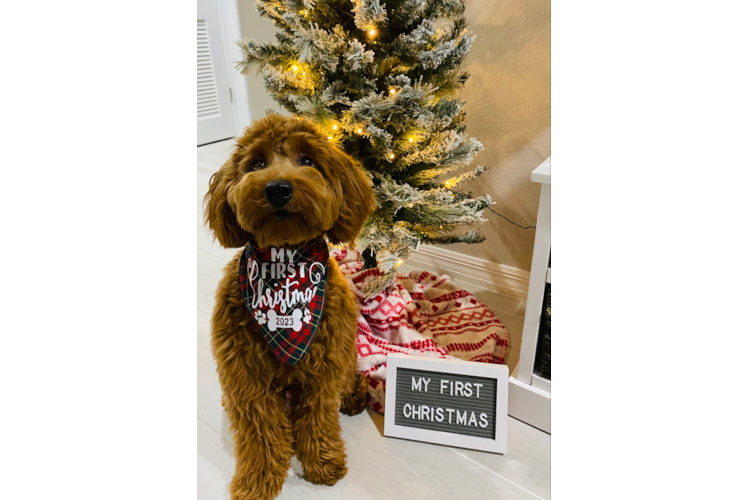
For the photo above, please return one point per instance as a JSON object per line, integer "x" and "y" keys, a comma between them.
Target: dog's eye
{"x": 306, "y": 161}
{"x": 257, "y": 164}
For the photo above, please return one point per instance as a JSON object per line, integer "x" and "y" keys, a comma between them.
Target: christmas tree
{"x": 383, "y": 81}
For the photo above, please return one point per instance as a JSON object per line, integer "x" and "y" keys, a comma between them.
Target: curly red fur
{"x": 332, "y": 198}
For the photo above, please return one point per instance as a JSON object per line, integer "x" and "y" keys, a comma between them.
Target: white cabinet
{"x": 530, "y": 394}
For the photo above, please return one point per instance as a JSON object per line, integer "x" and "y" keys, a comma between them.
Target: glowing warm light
{"x": 399, "y": 261}
{"x": 410, "y": 205}
{"x": 446, "y": 183}
{"x": 372, "y": 32}
{"x": 335, "y": 127}
{"x": 410, "y": 140}
{"x": 329, "y": 137}
{"x": 358, "y": 130}
{"x": 393, "y": 91}
{"x": 392, "y": 156}
{"x": 295, "y": 68}
{"x": 306, "y": 12}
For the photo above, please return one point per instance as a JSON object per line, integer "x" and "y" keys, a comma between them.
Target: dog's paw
{"x": 260, "y": 317}
{"x": 328, "y": 472}
{"x": 307, "y": 316}
{"x": 257, "y": 485}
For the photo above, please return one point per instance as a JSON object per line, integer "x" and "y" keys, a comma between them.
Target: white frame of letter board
{"x": 456, "y": 367}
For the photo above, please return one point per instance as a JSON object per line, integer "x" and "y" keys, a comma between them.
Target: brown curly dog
{"x": 324, "y": 193}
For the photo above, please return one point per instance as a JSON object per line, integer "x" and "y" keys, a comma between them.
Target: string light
{"x": 392, "y": 156}
{"x": 393, "y": 91}
{"x": 335, "y": 127}
{"x": 410, "y": 205}
{"x": 295, "y": 68}
{"x": 410, "y": 140}
{"x": 446, "y": 183}
{"x": 358, "y": 130}
{"x": 329, "y": 137}
{"x": 399, "y": 262}
{"x": 372, "y": 32}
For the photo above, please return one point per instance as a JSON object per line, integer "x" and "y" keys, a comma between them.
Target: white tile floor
{"x": 379, "y": 467}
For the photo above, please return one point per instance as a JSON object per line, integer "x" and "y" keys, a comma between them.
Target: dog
{"x": 285, "y": 187}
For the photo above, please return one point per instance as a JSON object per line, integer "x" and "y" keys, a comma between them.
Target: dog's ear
{"x": 219, "y": 216}
{"x": 357, "y": 200}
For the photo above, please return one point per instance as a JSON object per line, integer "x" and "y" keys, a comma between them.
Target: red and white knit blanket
{"x": 420, "y": 314}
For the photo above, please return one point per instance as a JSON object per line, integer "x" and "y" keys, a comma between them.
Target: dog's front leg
{"x": 262, "y": 439}
{"x": 262, "y": 447}
{"x": 319, "y": 445}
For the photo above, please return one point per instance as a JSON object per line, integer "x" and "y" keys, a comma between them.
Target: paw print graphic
{"x": 307, "y": 316}
{"x": 260, "y": 317}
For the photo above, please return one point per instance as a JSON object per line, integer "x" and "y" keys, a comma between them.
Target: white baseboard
{"x": 505, "y": 280}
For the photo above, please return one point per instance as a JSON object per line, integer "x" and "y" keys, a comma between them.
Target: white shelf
{"x": 542, "y": 174}
{"x": 530, "y": 395}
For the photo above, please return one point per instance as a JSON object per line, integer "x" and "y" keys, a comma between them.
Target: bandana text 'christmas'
{"x": 284, "y": 290}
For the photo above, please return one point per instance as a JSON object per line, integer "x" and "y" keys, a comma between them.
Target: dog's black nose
{"x": 278, "y": 192}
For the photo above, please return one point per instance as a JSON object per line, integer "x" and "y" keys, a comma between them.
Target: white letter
{"x": 450, "y": 411}
{"x": 468, "y": 389}
{"x": 439, "y": 415}
{"x": 477, "y": 389}
{"x": 472, "y": 419}
{"x": 461, "y": 418}
{"x": 483, "y": 420}
{"x": 264, "y": 269}
{"x": 441, "y": 386}
{"x": 458, "y": 388}
{"x": 415, "y": 386}
{"x": 277, "y": 254}
{"x": 406, "y": 407}
{"x": 426, "y": 384}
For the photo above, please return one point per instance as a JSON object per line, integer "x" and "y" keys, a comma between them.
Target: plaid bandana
{"x": 284, "y": 290}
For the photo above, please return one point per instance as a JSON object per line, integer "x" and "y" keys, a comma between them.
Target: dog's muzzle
{"x": 278, "y": 193}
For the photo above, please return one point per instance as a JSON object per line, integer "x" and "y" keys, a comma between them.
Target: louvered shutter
{"x": 207, "y": 93}
{"x": 215, "y": 116}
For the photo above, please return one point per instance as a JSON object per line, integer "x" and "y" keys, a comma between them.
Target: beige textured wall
{"x": 508, "y": 106}
{"x": 262, "y": 30}
{"x": 508, "y": 99}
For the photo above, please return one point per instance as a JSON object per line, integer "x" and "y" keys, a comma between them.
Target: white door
{"x": 215, "y": 120}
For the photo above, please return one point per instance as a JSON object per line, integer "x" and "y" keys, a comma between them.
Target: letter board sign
{"x": 450, "y": 402}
